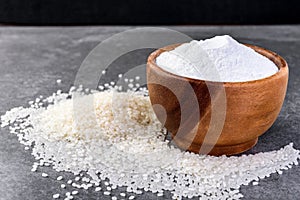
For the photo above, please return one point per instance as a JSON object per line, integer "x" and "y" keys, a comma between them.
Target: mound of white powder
{"x": 220, "y": 59}
{"x": 110, "y": 139}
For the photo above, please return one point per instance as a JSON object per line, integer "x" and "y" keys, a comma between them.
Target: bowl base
{"x": 222, "y": 150}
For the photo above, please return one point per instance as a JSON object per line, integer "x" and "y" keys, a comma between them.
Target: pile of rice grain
{"x": 115, "y": 136}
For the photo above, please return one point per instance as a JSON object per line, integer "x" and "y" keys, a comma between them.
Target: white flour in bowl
{"x": 220, "y": 59}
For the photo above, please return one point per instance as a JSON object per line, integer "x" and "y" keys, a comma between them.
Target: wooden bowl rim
{"x": 274, "y": 57}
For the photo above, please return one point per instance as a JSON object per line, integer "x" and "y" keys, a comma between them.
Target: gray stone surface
{"x": 33, "y": 58}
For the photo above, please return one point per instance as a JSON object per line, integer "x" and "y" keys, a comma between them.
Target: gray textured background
{"x": 33, "y": 58}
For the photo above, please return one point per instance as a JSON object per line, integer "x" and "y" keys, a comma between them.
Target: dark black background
{"x": 148, "y": 12}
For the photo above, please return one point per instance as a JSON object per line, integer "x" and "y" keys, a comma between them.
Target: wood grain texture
{"x": 251, "y": 107}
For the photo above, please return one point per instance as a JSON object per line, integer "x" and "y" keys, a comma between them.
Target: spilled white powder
{"x": 116, "y": 139}
{"x": 221, "y": 59}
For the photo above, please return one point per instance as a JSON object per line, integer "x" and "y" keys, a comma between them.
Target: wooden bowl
{"x": 251, "y": 107}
